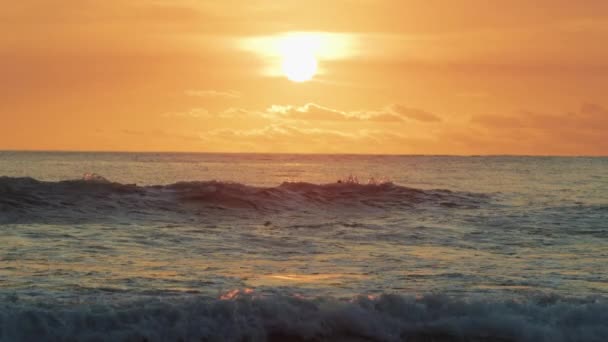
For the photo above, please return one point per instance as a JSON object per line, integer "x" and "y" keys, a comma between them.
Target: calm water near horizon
{"x": 516, "y": 247}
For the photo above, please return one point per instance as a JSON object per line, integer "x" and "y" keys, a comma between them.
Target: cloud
{"x": 230, "y": 94}
{"x": 530, "y": 132}
{"x": 497, "y": 121}
{"x": 239, "y": 113}
{"x": 284, "y": 137}
{"x": 191, "y": 113}
{"x": 414, "y": 114}
{"x": 315, "y": 128}
{"x": 590, "y": 117}
{"x": 229, "y": 113}
{"x": 312, "y": 111}
{"x": 279, "y": 131}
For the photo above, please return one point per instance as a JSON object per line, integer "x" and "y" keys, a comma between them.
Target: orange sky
{"x": 408, "y": 76}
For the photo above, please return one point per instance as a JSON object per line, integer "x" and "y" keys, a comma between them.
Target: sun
{"x": 299, "y": 66}
{"x": 299, "y": 56}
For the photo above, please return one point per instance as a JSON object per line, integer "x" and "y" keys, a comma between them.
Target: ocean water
{"x": 253, "y": 247}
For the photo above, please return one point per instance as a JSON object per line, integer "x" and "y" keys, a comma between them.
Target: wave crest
{"x": 285, "y": 318}
{"x": 95, "y": 194}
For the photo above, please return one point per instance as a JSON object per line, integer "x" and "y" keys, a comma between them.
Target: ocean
{"x": 270, "y": 247}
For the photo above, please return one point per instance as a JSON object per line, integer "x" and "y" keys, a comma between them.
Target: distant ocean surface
{"x": 255, "y": 247}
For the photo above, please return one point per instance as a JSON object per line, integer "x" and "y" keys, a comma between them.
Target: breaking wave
{"x": 95, "y": 195}
{"x": 286, "y": 318}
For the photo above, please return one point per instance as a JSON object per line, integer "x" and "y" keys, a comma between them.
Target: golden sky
{"x": 407, "y": 76}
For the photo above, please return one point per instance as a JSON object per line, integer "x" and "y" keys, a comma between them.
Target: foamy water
{"x": 233, "y": 247}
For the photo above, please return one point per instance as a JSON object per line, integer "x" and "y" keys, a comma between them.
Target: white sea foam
{"x": 250, "y": 318}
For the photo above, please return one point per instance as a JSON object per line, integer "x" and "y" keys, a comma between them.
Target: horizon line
{"x": 310, "y": 153}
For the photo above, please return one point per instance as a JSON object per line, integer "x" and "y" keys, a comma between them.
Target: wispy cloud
{"x": 413, "y": 113}
{"x": 532, "y": 132}
{"x": 312, "y": 111}
{"x": 191, "y": 113}
{"x": 230, "y": 94}
{"x": 287, "y": 137}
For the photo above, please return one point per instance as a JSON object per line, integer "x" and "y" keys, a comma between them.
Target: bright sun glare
{"x": 299, "y": 67}
{"x": 298, "y": 54}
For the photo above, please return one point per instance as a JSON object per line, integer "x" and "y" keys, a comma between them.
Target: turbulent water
{"x": 227, "y": 247}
